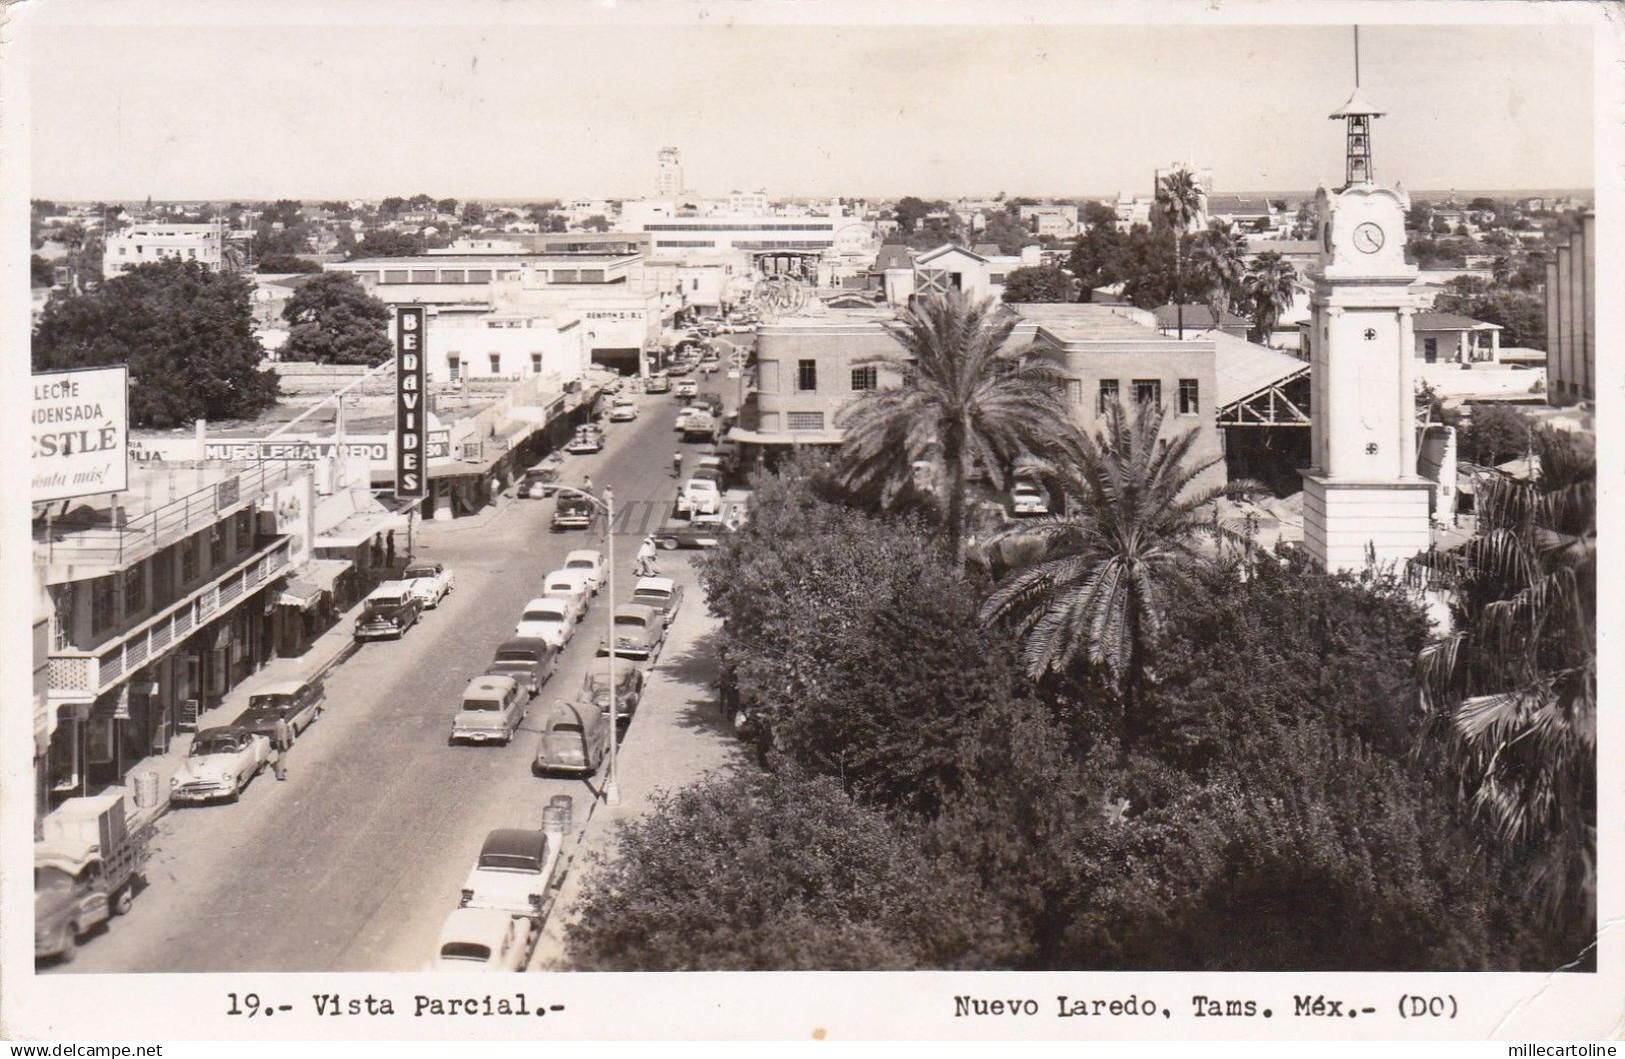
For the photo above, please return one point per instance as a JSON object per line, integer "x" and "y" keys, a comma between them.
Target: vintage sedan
{"x": 586, "y": 440}
{"x": 628, "y": 678}
{"x": 538, "y": 482}
{"x": 484, "y": 939}
{"x": 1028, "y": 497}
{"x": 640, "y": 632}
{"x": 492, "y": 709}
{"x": 545, "y": 618}
{"x": 512, "y": 873}
{"x": 430, "y": 582}
{"x": 700, "y": 495}
{"x": 388, "y": 611}
{"x": 624, "y": 410}
{"x": 530, "y": 662}
{"x": 575, "y": 738}
{"x": 702, "y": 531}
{"x": 299, "y": 702}
{"x": 687, "y": 387}
{"x": 220, "y": 763}
{"x": 660, "y": 594}
{"x": 659, "y": 382}
{"x": 589, "y": 562}
{"x": 571, "y": 586}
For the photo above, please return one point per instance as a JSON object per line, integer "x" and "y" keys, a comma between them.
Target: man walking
{"x": 646, "y": 559}
{"x": 677, "y": 465}
{"x": 284, "y": 743}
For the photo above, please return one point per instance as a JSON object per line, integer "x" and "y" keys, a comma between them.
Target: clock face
{"x": 1368, "y": 238}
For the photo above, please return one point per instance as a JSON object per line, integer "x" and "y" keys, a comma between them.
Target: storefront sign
{"x": 80, "y": 424}
{"x": 369, "y": 447}
{"x": 411, "y": 418}
{"x": 615, "y": 314}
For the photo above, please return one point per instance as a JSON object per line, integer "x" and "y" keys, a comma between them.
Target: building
{"x": 1571, "y": 317}
{"x": 1450, "y": 338}
{"x": 947, "y": 268}
{"x": 142, "y": 244}
{"x": 755, "y": 204}
{"x": 776, "y": 245}
{"x": 669, "y": 176}
{"x": 1195, "y": 318}
{"x": 1132, "y": 210}
{"x": 1053, "y": 219}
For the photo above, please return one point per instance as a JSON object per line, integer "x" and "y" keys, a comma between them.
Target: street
{"x": 355, "y": 861}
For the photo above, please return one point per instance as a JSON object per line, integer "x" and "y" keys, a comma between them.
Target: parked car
{"x": 586, "y": 440}
{"x": 629, "y": 681}
{"x": 624, "y": 410}
{"x": 299, "y": 702}
{"x": 572, "y": 512}
{"x": 684, "y": 414}
{"x": 483, "y": 939}
{"x": 221, "y": 762}
{"x": 492, "y": 707}
{"x": 430, "y": 582}
{"x": 702, "y": 531}
{"x": 87, "y": 869}
{"x": 547, "y": 619}
{"x": 513, "y": 872}
{"x": 1028, "y": 497}
{"x": 659, "y": 382}
{"x": 575, "y": 738}
{"x": 687, "y": 388}
{"x": 699, "y": 496}
{"x": 709, "y": 363}
{"x": 660, "y": 594}
{"x": 388, "y": 611}
{"x": 572, "y": 587}
{"x": 701, "y": 426}
{"x": 589, "y": 562}
{"x": 529, "y": 661}
{"x": 639, "y": 632}
{"x": 678, "y": 367}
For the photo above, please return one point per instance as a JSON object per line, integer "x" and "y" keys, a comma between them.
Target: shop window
{"x": 1108, "y": 395}
{"x": 1147, "y": 391}
{"x": 496, "y": 363}
{"x": 189, "y": 560}
{"x": 102, "y": 604}
{"x": 454, "y": 366}
{"x": 135, "y": 590}
{"x": 806, "y": 375}
{"x": 865, "y": 378}
{"x": 1189, "y": 402}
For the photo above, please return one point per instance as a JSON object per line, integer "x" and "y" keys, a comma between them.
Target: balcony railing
{"x": 83, "y": 675}
{"x": 143, "y": 535}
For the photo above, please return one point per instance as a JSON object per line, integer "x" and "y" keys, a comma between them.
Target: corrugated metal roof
{"x": 1242, "y": 368}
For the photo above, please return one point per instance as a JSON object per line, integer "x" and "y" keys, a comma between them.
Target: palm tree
{"x": 1513, "y": 691}
{"x": 1099, "y": 579}
{"x": 1179, "y": 201}
{"x": 1270, "y": 286}
{"x": 1219, "y": 261}
{"x": 962, "y": 398}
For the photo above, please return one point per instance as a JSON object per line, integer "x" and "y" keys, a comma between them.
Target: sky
{"x": 535, "y": 108}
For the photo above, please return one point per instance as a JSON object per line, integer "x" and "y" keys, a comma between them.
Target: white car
{"x": 700, "y": 496}
{"x": 686, "y": 413}
{"x": 588, "y": 562}
{"x": 513, "y": 872}
{"x": 430, "y": 582}
{"x": 220, "y": 764}
{"x": 483, "y": 939}
{"x": 547, "y": 619}
{"x": 687, "y": 388}
{"x": 624, "y": 410}
{"x": 571, "y": 586}
{"x": 1027, "y": 497}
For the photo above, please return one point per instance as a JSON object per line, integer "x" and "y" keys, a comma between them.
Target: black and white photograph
{"x": 608, "y": 493}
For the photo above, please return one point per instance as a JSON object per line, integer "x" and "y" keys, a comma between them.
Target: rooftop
{"x": 1084, "y": 322}
{"x": 1450, "y": 322}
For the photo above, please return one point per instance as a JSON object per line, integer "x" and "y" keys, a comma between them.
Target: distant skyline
{"x": 528, "y": 111}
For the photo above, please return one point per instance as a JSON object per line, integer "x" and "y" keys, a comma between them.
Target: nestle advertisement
{"x": 411, "y": 418}
{"x": 81, "y": 427}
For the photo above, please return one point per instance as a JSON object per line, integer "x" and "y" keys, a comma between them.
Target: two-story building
{"x": 145, "y": 243}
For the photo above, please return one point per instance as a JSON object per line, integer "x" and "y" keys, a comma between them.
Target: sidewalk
{"x": 328, "y": 650}
{"x": 677, "y": 735}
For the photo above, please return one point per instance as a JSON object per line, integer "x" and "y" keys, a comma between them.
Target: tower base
{"x": 1346, "y": 521}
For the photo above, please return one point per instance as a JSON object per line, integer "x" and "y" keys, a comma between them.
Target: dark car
{"x": 298, "y": 702}
{"x": 573, "y": 512}
{"x": 538, "y": 482}
{"x": 389, "y": 611}
{"x": 529, "y": 660}
{"x": 702, "y": 531}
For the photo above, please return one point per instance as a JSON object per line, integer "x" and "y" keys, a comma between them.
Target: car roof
{"x": 495, "y": 685}
{"x": 586, "y": 713}
{"x": 634, "y": 610}
{"x": 515, "y": 840}
{"x": 577, "y": 575}
{"x": 547, "y": 603}
{"x": 529, "y": 643}
{"x": 485, "y": 926}
{"x": 659, "y": 584}
{"x": 424, "y": 564}
{"x": 234, "y": 730}
{"x": 582, "y": 553}
{"x": 280, "y": 687}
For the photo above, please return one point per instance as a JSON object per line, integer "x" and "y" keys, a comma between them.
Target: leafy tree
{"x": 1482, "y": 204}
{"x": 1148, "y": 267}
{"x": 962, "y": 397}
{"x": 777, "y": 872}
{"x": 333, "y": 320}
{"x": 1513, "y": 690}
{"x": 393, "y": 206}
{"x": 1307, "y": 223}
{"x": 1039, "y": 284}
{"x": 1098, "y": 215}
{"x": 186, "y": 334}
{"x": 43, "y": 206}
{"x": 340, "y": 210}
{"x": 1105, "y": 577}
{"x": 1218, "y": 260}
{"x": 41, "y": 273}
{"x": 596, "y": 223}
{"x": 1493, "y": 433}
{"x": 288, "y": 242}
{"x": 1268, "y": 289}
{"x": 473, "y": 214}
{"x": 382, "y": 242}
{"x": 910, "y": 210}
{"x": 446, "y": 206}
{"x": 288, "y": 211}
{"x": 1096, "y": 256}
{"x": 285, "y": 263}
{"x": 1001, "y": 229}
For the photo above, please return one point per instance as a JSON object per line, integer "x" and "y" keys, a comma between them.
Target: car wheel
{"x": 70, "y": 943}
{"x": 122, "y": 900}
{"x": 236, "y": 793}
{"x": 669, "y": 544}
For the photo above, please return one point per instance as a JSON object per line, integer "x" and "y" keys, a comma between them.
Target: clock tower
{"x": 1362, "y": 494}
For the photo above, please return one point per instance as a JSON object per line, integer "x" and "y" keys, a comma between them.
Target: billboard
{"x": 411, "y": 417}
{"x": 80, "y": 425}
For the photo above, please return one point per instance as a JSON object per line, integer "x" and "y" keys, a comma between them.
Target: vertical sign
{"x": 411, "y": 417}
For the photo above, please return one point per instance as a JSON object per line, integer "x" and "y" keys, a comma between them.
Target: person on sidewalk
{"x": 646, "y": 559}
{"x": 677, "y": 465}
{"x": 284, "y": 743}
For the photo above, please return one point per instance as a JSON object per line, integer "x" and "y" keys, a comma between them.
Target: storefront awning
{"x": 311, "y": 581}
{"x": 301, "y": 594}
{"x": 359, "y": 529}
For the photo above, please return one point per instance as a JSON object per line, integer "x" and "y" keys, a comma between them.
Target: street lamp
{"x": 612, "y": 787}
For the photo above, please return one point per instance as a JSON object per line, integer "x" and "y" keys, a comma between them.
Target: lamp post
{"x": 612, "y": 788}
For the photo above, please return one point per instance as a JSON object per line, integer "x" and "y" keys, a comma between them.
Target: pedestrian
{"x": 586, "y": 483}
{"x": 389, "y": 549}
{"x": 677, "y": 465}
{"x": 284, "y": 743}
{"x": 646, "y": 558}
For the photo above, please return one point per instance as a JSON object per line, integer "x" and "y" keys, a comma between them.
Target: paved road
{"x": 354, "y": 862}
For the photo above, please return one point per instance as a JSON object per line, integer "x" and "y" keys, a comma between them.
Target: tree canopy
{"x": 186, "y": 334}
{"x": 333, "y": 320}
{"x": 1039, "y": 284}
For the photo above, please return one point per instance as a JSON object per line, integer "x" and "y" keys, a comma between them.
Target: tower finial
{"x": 1356, "y": 56}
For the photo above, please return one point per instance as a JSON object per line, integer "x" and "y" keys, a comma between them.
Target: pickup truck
{"x": 572, "y": 512}
{"x": 86, "y": 870}
{"x": 390, "y": 609}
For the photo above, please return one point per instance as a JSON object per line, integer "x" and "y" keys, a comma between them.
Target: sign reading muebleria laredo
{"x": 411, "y": 418}
{"x": 80, "y": 427}
{"x": 375, "y": 447}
